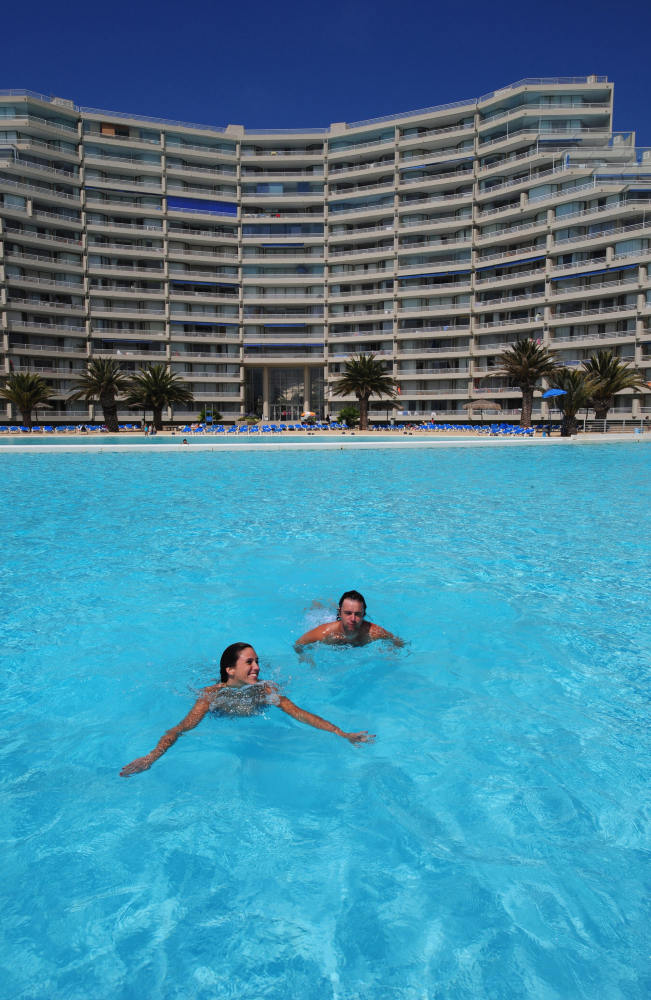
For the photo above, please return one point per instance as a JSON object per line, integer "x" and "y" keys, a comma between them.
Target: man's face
{"x": 351, "y": 615}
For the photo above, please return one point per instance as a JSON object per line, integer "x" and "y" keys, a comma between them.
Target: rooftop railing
{"x": 433, "y": 109}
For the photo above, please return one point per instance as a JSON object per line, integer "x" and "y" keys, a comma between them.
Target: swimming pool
{"x": 493, "y": 842}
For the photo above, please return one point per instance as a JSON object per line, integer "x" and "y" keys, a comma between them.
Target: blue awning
{"x": 201, "y": 205}
{"x": 604, "y": 270}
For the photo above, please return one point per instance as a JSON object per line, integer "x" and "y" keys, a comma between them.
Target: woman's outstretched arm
{"x": 192, "y": 719}
{"x": 315, "y": 720}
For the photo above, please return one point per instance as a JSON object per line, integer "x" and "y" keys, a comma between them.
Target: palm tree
{"x": 610, "y": 375}
{"x": 577, "y": 386}
{"x": 363, "y": 377}
{"x": 26, "y": 391}
{"x": 103, "y": 380}
{"x": 525, "y": 364}
{"x": 156, "y": 386}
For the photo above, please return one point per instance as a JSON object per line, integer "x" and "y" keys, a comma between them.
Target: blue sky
{"x": 290, "y": 64}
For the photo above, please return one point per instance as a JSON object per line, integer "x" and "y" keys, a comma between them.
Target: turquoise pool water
{"x": 492, "y": 843}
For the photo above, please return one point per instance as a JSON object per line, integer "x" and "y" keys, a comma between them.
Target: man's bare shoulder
{"x": 377, "y": 632}
{"x": 328, "y": 632}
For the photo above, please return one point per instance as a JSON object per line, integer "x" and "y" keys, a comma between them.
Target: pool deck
{"x": 335, "y": 442}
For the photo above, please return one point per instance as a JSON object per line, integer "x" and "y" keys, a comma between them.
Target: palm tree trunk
{"x": 27, "y": 418}
{"x": 157, "y": 414}
{"x": 601, "y": 411}
{"x": 363, "y": 412}
{"x": 568, "y": 425}
{"x": 527, "y": 406}
{"x": 110, "y": 411}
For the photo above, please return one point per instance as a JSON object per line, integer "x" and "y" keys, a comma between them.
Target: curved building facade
{"x": 256, "y": 262}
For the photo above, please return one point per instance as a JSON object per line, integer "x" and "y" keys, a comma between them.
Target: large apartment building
{"x": 255, "y": 263}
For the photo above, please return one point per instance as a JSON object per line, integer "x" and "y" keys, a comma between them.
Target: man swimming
{"x": 350, "y": 627}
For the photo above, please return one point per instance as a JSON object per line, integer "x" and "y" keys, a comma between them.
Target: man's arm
{"x": 285, "y": 705}
{"x": 377, "y": 632}
{"x": 168, "y": 739}
{"x": 318, "y": 634}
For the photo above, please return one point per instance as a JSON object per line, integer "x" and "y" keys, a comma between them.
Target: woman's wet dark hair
{"x": 351, "y": 595}
{"x": 230, "y": 657}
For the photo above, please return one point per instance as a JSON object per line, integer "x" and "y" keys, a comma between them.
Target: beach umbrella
{"x": 552, "y": 394}
{"x": 308, "y": 413}
{"x": 481, "y": 405}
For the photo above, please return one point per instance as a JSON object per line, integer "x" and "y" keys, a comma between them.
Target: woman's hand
{"x": 139, "y": 764}
{"x": 363, "y": 737}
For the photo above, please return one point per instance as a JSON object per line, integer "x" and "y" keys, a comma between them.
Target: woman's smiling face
{"x": 246, "y": 668}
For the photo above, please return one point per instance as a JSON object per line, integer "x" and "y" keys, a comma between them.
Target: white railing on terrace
{"x": 539, "y": 272}
{"x": 71, "y": 220}
{"x": 136, "y": 227}
{"x": 375, "y": 186}
{"x": 22, "y": 279}
{"x": 359, "y": 231}
{"x": 387, "y": 164}
{"x": 519, "y": 109}
{"x": 611, "y": 335}
{"x": 135, "y": 268}
{"x": 438, "y": 199}
{"x": 369, "y": 144}
{"x": 440, "y": 372}
{"x": 135, "y": 160}
{"x": 509, "y": 299}
{"x": 508, "y": 230}
{"x": 335, "y": 212}
{"x": 433, "y": 221}
{"x": 449, "y": 329}
{"x": 455, "y": 241}
{"x": 36, "y": 120}
{"x": 99, "y": 113}
{"x": 495, "y": 324}
{"x": 437, "y": 132}
{"x": 560, "y": 317}
{"x": 516, "y": 252}
{"x": 42, "y": 236}
{"x": 39, "y": 258}
{"x": 38, "y": 188}
{"x": 190, "y": 168}
{"x": 19, "y": 163}
{"x": 41, "y": 304}
{"x": 566, "y": 288}
{"x": 259, "y": 153}
{"x": 542, "y": 134}
{"x": 382, "y": 292}
{"x": 642, "y": 224}
{"x": 204, "y": 334}
{"x": 629, "y": 205}
{"x": 362, "y": 250}
{"x": 152, "y": 184}
{"x": 295, "y": 353}
{"x": 218, "y": 253}
{"x": 433, "y": 178}
{"x": 596, "y": 262}
{"x": 53, "y": 328}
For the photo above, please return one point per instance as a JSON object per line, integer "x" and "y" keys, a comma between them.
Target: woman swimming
{"x": 238, "y": 670}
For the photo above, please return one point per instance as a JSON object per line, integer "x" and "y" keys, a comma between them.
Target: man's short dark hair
{"x": 352, "y": 595}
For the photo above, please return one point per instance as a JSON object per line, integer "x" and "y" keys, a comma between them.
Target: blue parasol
{"x": 554, "y": 392}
